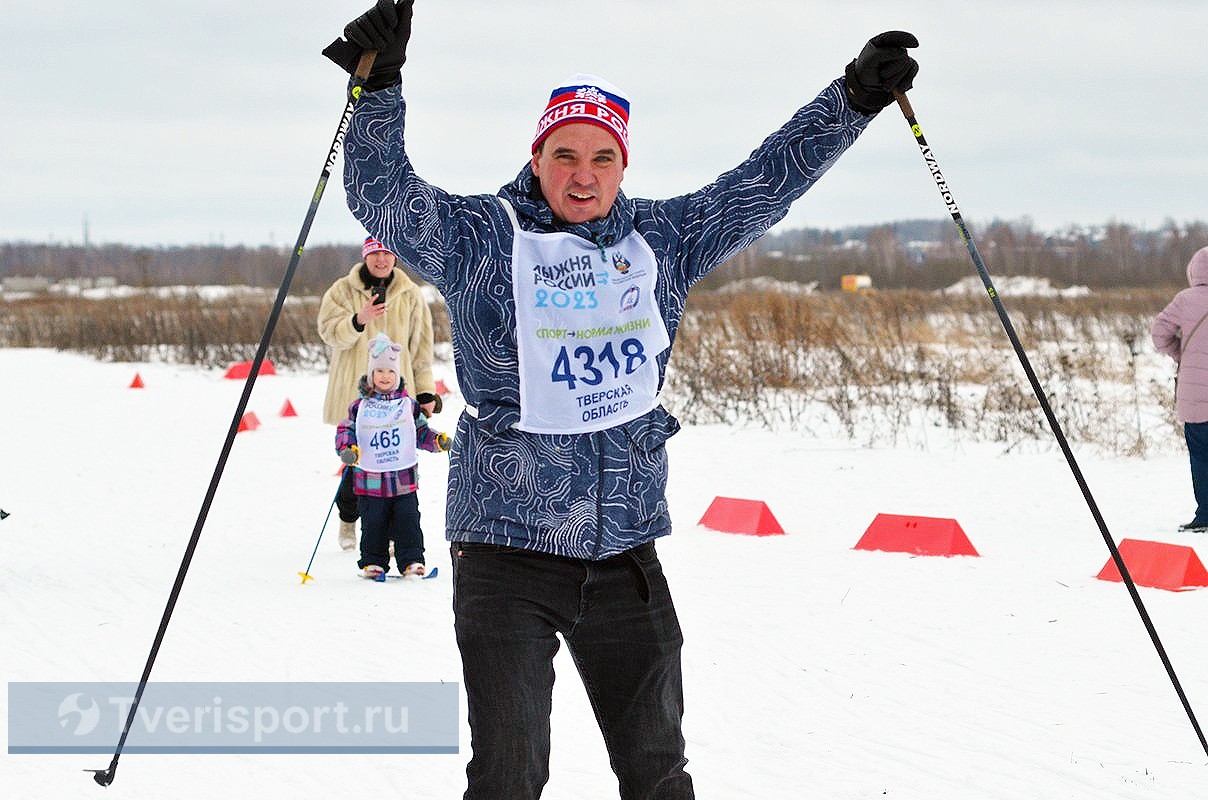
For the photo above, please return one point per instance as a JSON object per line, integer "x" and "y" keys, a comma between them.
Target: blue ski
{"x": 427, "y": 575}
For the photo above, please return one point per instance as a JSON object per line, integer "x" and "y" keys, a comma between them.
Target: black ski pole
{"x": 306, "y": 576}
{"x": 104, "y": 777}
{"x": 946, "y": 194}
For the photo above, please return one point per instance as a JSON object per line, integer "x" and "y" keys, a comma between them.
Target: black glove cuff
{"x": 428, "y": 397}
{"x": 383, "y": 79}
{"x": 861, "y": 99}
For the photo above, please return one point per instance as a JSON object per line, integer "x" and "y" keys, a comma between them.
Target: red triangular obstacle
{"x": 441, "y": 389}
{"x": 1158, "y": 565}
{"x": 924, "y": 536}
{"x": 287, "y": 410}
{"x": 734, "y": 515}
{"x": 242, "y": 369}
{"x": 137, "y": 383}
{"x": 248, "y": 422}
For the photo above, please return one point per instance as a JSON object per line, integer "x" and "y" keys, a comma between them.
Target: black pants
{"x": 618, "y": 621}
{"x": 1196, "y": 434}
{"x": 346, "y": 501}
{"x": 391, "y": 519}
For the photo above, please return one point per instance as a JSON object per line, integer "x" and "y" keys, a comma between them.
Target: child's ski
{"x": 381, "y": 578}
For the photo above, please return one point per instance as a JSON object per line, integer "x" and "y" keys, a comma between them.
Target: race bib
{"x": 588, "y": 329}
{"x": 386, "y": 435}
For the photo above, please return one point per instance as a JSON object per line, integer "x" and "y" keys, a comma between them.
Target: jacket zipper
{"x": 595, "y": 437}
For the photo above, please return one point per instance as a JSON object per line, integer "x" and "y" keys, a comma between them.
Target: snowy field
{"x": 812, "y": 669}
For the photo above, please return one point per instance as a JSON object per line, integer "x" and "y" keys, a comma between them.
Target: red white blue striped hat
{"x": 587, "y": 98}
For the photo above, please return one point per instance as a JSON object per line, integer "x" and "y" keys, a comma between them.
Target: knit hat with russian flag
{"x": 373, "y": 246}
{"x": 587, "y": 98}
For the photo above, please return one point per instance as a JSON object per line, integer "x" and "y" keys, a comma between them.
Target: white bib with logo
{"x": 386, "y": 435}
{"x": 588, "y": 329}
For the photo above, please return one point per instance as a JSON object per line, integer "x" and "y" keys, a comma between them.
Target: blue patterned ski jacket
{"x": 587, "y": 495}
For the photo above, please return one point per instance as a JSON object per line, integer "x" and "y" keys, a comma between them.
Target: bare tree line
{"x": 912, "y": 254}
{"x": 928, "y": 254}
{"x": 193, "y": 265}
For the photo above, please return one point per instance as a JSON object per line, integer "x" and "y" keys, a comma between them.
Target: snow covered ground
{"x": 812, "y": 669}
{"x": 1015, "y": 286}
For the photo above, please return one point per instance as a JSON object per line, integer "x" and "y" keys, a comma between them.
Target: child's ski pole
{"x": 306, "y": 576}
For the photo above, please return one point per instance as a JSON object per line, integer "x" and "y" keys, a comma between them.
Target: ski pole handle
{"x": 941, "y": 184}
{"x": 365, "y": 64}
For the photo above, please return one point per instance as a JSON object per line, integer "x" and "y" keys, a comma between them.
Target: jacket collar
{"x": 534, "y": 213}
{"x": 365, "y": 389}
{"x": 369, "y": 281}
{"x": 361, "y": 279}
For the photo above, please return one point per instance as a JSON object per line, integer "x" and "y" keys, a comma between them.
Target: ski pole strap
{"x": 1178, "y": 370}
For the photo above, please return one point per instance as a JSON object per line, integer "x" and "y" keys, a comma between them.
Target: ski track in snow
{"x": 811, "y": 669}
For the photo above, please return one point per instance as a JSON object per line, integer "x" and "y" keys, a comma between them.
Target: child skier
{"x": 381, "y": 436}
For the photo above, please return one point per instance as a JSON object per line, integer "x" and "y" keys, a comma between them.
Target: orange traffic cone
{"x": 248, "y": 422}
{"x": 137, "y": 383}
{"x": 287, "y": 410}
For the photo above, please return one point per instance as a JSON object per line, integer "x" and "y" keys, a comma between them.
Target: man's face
{"x": 380, "y": 263}
{"x": 580, "y": 169}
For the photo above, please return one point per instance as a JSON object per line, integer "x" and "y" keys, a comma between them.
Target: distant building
{"x": 23, "y": 284}
{"x": 81, "y": 283}
{"x": 39, "y": 285}
{"x": 855, "y": 283}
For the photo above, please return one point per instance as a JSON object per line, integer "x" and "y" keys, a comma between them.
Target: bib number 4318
{"x": 592, "y": 366}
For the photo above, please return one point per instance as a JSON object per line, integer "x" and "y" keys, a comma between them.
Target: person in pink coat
{"x": 1181, "y": 332}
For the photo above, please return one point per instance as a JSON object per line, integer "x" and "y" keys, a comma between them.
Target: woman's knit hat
{"x": 372, "y": 245}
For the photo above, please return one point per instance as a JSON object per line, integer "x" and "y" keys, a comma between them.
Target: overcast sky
{"x": 208, "y": 122}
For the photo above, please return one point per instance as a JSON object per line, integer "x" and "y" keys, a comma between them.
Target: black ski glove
{"x": 434, "y": 399}
{"x": 882, "y": 68}
{"x": 386, "y": 28}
